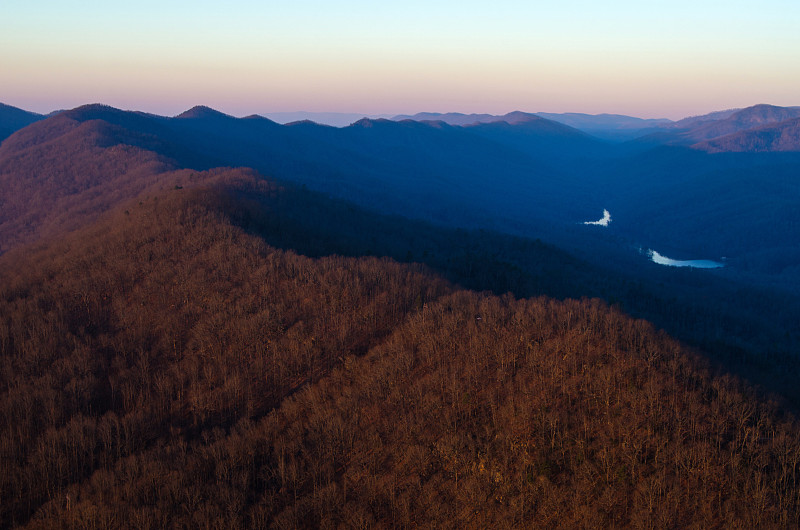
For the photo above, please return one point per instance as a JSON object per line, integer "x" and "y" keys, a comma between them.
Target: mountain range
{"x": 614, "y": 127}
{"x": 525, "y": 174}
{"x": 217, "y": 321}
{"x": 335, "y": 119}
{"x": 771, "y": 137}
{"x": 738, "y": 122}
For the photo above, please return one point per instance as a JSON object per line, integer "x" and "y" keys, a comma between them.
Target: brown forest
{"x": 165, "y": 367}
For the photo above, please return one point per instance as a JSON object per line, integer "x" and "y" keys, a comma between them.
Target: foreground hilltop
{"x": 200, "y": 376}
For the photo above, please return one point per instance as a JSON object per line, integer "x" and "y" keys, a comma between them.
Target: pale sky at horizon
{"x": 649, "y": 59}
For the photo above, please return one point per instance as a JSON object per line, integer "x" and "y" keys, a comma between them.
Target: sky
{"x": 647, "y": 58}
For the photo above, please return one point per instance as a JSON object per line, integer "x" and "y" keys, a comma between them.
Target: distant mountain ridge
{"x": 687, "y": 131}
{"x": 693, "y": 121}
{"x": 334, "y": 119}
{"x": 477, "y": 121}
{"x": 706, "y": 131}
{"x": 202, "y": 112}
{"x": 530, "y": 133}
{"x": 605, "y": 126}
{"x": 598, "y": 121}
{"x": 453, "y": 118}
{"x": 574, "y": 120}
{"x": 13, "y": 119}
{"x": 742, "y": 120}
{"x": 783, "y": 136}
{"x": 616, "y": 127}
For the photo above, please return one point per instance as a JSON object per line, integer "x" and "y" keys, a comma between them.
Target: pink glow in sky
{"x": 244, "y": 57}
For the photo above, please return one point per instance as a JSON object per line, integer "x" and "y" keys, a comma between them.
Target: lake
{"x": 696, "y": 263}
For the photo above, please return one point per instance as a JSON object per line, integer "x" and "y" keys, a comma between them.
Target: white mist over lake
{"x": 602, "y": 222}
{"x": 660, "y": 259}
{"x": 696, "y": 263}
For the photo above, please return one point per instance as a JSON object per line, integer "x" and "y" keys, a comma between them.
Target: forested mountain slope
{"x": 164, "y": 322}
{"x": 703, "y": 131}
{"x": 782, "y": 136}
{"x": 742, "y": 120}
{"x": 60, "y": 173}
{"x": 164, "y": 367}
